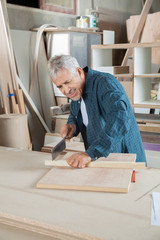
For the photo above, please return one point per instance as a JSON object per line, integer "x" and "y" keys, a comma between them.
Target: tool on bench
{"x": 58, "y": 148}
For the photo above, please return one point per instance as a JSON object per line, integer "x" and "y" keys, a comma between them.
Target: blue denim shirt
{"x": 112, "y": 127}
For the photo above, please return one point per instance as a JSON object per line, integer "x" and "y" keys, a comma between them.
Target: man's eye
{"x": 59, "y": 87}
{"x": 67, "y": 81}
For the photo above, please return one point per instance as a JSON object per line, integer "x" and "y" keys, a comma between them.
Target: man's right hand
{"x": 68, "y": 130}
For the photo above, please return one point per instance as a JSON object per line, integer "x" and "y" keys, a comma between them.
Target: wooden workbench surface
{"x": 101, "y": 215}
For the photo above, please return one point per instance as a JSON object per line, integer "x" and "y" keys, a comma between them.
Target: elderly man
{"x": 100, "y": 110}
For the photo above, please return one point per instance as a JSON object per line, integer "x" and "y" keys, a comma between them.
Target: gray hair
{"x": 58, "y": 63}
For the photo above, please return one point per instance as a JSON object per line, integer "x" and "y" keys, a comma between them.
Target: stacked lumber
{"x": 11, "y": 95}
{"x": 11, "y": 86}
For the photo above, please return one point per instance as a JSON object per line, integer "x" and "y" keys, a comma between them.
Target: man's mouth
{"x": 72, "y": 93}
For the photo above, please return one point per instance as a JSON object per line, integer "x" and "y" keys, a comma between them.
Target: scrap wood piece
{"x": 139, "y": 28}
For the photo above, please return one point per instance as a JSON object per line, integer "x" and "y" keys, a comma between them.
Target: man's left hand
{"x": 79, "y": 160}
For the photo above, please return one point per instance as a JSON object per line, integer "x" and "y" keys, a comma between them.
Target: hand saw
{"x": 58, "y": 148}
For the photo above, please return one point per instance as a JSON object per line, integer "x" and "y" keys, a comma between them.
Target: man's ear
{"x": 80, "y": 72}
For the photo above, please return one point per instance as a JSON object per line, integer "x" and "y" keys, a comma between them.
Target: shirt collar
{"x": 88, "y": 82}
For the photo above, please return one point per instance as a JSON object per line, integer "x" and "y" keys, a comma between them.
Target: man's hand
{"x": 79, "y": 160}
{"x": 68, "y": 130}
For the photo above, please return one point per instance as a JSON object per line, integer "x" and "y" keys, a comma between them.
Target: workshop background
{"x": 32, "y": 52}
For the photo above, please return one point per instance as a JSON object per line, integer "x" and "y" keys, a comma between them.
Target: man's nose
{"x": 65, "y": 90}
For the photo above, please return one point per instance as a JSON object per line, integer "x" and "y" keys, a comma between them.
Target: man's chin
{"x": 76, "y": 98}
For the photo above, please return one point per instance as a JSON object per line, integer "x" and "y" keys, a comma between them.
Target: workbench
{"x": 30, "y": 213}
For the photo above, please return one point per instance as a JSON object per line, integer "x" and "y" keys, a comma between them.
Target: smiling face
{"x": 69, "y": 84}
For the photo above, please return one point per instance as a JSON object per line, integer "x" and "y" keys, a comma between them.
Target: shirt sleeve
{"x": 114, "y": 108}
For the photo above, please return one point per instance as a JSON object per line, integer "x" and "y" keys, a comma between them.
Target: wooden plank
{"x": 100, "y": 164}
{"x": 125, "y": 161}
{"x": 30, "y": 101}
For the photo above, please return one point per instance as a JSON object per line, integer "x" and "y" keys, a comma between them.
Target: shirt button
{"x": 78, "y": 101}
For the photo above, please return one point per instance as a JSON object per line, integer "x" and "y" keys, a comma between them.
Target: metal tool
{"x": 58, "y": 148}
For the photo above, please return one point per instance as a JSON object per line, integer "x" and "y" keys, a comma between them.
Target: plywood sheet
{"x": 88, "y": 179}
{"x": 91, "y": 179}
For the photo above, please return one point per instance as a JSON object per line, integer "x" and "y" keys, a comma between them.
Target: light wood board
{"x": 87, "y": 179}
{"x": 99, "y": 164}
{"x": 90, "y": 179}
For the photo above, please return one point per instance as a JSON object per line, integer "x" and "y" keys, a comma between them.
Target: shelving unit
{"x": 141, "y": 74}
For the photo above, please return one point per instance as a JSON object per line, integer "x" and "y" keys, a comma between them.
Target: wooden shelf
{"x": 154, "y": 104}
{"x": 149, "y": 75}
{"x": 149, "y": 127}
{"x": 141, "y": 74}
{"x": 126, "y": 45}
{"x": 70, "y": 29}
{"x": 127, "y": 75}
